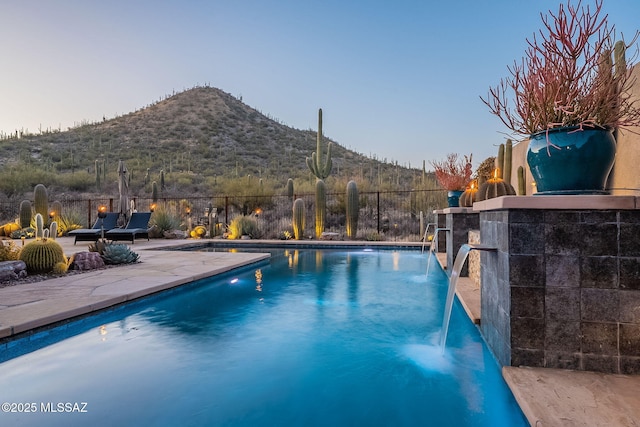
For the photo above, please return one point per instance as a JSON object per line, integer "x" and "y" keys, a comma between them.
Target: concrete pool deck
{"x": 548, "y": 397}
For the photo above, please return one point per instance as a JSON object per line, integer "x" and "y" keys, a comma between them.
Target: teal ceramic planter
{"x": 453, "y": 198}
{"x": 571, "y": 161}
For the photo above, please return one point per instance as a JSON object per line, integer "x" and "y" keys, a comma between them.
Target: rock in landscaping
{"x": 12, "y": 270}
{"x": 86, "y": 261}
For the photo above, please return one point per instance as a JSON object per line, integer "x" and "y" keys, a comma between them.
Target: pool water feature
{"x": 315, "y": 338}
{"x": 458, "y": 263}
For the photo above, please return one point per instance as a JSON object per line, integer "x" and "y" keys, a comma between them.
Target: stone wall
{"x": 563, "y": 289}
{"x": 459, "y": 222}
{"x": 474, "y": 259}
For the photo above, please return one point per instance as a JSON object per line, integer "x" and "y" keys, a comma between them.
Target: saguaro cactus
{"x": 298, "y": 219}
{"x": 41, "y": 200}
{"x": 506, "y": 174}
{"x": 290, "y": 188}
{"x": 56, "y": 208}
{"x": 154, "y": 192}
{"x": 53, "y": 230}
{"x": 321, "y": 171}
{"x": 522, "y": 184}
{"x": 321, "y": 206}
{"x": 39, "y": 227}
{"x": 500, "y": 161}
{"x": 97, "y": 173}
{"x": 353, "y": 209}
{"x": 25, "y": 214}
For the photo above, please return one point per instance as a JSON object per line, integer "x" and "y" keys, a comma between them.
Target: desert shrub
{"x": 9, "y": 251}
{"x": 165, "y": 218}
{"x": 70, "y": 220}
{"x": 78, "y": 181}
{"x": 244, "y": 225}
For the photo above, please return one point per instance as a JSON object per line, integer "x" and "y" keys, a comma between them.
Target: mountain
{"x": 197, "y": 134}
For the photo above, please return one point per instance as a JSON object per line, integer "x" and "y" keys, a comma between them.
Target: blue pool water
{"x": 314, "y": 338}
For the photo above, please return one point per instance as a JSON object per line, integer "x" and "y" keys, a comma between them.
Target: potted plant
{"x": 453, "y": 174}
{"x": 568, "y": 96}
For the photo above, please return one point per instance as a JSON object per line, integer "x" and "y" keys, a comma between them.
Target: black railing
{"x": 387, "y": 215}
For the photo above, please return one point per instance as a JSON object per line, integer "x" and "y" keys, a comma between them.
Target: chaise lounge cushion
{"x": 94, "y": 233}
{"x": 136, "y": 227}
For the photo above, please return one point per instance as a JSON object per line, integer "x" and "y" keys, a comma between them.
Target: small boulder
{"x": 12, "y": 270}
{"x": 86, "y": 261}
{"x": 175, "y": 234}
{"x": 328, "y": 235}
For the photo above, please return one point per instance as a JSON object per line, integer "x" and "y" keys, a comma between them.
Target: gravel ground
{"x": 34, "y": 278}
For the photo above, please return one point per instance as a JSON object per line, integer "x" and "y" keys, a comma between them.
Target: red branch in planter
{"x": 567, "y": 78}
{"x": 454, "y": 173}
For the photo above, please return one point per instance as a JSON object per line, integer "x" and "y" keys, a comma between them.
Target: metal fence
{"x": 386, "y": 215}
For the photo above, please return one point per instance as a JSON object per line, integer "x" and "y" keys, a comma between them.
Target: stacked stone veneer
{"x": 563, "y": 289}
{"x": 459, "y": 222}
{"x": 474, "y": 259}
{"x": 441, "y": 222}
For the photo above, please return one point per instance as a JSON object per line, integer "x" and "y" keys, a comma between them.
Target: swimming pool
{"x": 315, "y": 338}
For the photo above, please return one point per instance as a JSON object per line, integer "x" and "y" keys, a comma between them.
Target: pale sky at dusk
{"x": 398, "y": 79}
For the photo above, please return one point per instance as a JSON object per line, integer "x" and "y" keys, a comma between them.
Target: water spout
{"x": 434, "y": 246}
{"x": 426, "y": 232}
{"x": 461, "y": 257}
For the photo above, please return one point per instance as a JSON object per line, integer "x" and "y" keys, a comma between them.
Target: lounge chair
{"x": 136, "y": 227}
{"x": 94, "y": 233}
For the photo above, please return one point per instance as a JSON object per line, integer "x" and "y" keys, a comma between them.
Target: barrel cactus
{"x": 10, "y": 228}
{"x": 41, "y": 256}
{"x": 495, "y": 187}
{"x": 60, "y": 268}
{"x": 298, "y": 219}
{"x": 353, "y": 209}
{"x": 198, "y": 232}
{"x": 469, "y": 196}
{"x": 118, "y": 253}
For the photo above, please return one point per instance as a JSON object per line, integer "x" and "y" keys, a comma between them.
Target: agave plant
{"x": 118, "y": 253}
